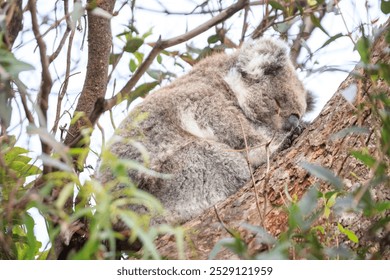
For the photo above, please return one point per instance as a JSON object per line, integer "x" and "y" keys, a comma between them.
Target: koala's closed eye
{"x": 248, "y": 77}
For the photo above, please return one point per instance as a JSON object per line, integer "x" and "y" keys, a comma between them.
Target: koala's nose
{"x": 292, "y": 122}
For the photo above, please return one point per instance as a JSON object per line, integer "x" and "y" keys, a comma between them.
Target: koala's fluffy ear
{"x": 264, "y": 56}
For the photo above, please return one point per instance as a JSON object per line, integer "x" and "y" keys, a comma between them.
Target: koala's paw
{"x": 294, "y": 134}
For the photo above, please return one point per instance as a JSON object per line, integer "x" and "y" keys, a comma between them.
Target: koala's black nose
{"x": 292, "y": 122}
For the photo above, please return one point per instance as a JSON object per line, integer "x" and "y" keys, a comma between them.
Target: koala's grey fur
{"x": 196, "y": 127}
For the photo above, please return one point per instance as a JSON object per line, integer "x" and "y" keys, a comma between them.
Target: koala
{"x": 206, "y": 126}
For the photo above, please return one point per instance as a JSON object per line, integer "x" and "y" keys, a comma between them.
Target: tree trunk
{"x": 95, "y": 85}
{"x": 315, "y": 145}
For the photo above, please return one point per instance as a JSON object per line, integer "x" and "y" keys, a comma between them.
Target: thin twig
{"x": 244, "y": 25}
{"x": 222, "y": 223}
{"x": 65, "y": 36}
{"x": 345, "y": 24}
{"x": 64, "y": 86}
{"x": 250, "y": 170}
{"x": 29, "y": 115}
{"x": 46, "y": 84}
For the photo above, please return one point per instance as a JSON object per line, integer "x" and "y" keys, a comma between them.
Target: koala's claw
{"x": 288, "y": 141}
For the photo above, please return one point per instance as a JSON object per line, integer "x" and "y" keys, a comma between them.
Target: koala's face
{"x": 266, "y": 85}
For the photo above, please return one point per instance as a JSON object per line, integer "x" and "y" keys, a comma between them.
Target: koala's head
{"x": 266, "y": 85}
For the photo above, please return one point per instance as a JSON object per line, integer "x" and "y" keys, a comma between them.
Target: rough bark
{"x": 99, "y": 48}
{"x": 315, "y": 145}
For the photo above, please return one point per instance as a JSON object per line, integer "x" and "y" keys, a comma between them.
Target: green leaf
{"x": 65, "y": 193}
{"x": 382, "y": 206}
{"x": 282, "y": 27}
{"x": 11, "y": 65}
{"x": 364, "y": 157}
{"x": 141, "y": 91}
{"x": 329, "y": 204}
{"x": 349, "y": 130}
{"x": 363, "y": 48}
{"x": 317, "y": 23}
{"x": 147, "y": 33}
{"x": 30, "y": 170}
{"x": 276, "y": 5}
{"x": 33, "y": 243}
{"x": 331, "y": 39}
{"x": 326, "y": 212}
{"x": 385, "y": 6}
{"x": 332, "y": 200}
{"x": 262, "y": 235}
{"x": 132, "y": 65}
{"x": 384, "y": 71}
{"x": 308, "y": 202}
{"x": 323, "y": 173}
{"x": 139, "y": 56}
{"x": 133, "y": 44}
{"x": 133, "y": 29}
{"x": 350, "y": 234}
{"x": 159, "y": 59}
{"x": 159, "y": 75}
{"x": 145, "y": 238}
{"x": 14, "y": 153}
{"x": 213, "y": 39}
{"x": 318, "y": 228}
{"x": 114, "y": 58}
{"x": 192, "y": 49}
{"x": 235, "y": 244}
{"x": 295, "y": 218}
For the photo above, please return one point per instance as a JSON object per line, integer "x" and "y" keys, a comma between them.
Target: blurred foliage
{"x": 95, "y": 208}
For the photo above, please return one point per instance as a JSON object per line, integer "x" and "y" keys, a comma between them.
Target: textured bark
{"x": 13, "y": 20}
{"x": 315, "y": 145}
{"x": 99, "y": 47}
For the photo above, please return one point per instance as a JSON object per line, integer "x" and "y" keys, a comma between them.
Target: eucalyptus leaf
{"x": 385, "y": 6}
{"x": 133, "y": 44}
{"x": 323, "y": 173}
{"x": 350, "y": 130}
{"x": 11, "y": 65}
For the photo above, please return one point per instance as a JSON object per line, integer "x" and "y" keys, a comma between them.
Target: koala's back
{"x": 196, "y": 128}
{"x": 178, "y": 133}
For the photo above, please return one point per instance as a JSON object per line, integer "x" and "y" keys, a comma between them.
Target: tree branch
{"x": 68, "y": 63}
{"x": 46, "y": 84}
{"x": 307, "y": 28}
{"x": 99, "y": 48}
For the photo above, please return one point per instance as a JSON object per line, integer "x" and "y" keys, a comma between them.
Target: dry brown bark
{"x": 99, "y": 47}
{"x": 95, "y": 86}
{"x": 315, "y": 145}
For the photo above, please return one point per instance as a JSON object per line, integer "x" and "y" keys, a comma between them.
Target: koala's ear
{"x": 263, "y": 56}
{"x": 276, "y": 60}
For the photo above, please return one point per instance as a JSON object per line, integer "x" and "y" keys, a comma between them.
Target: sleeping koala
{"x": 198, "y": 128}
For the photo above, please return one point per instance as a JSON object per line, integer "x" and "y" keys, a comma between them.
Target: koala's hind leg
{"x": 203, "y": 174}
